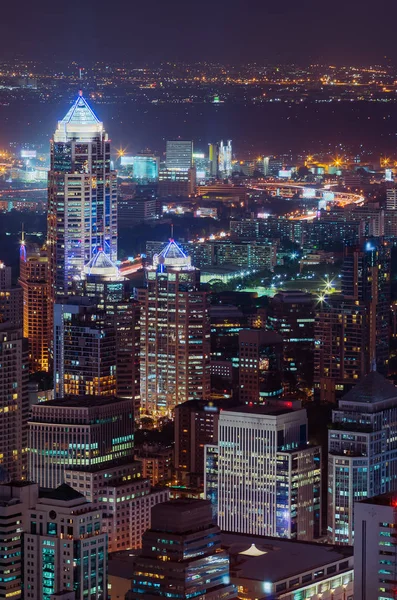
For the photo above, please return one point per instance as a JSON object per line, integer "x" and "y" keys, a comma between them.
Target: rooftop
{"x": 100, "y": 264}
{"x": 268, "y": 410}
{"x": 81, "y": 401}
{"x": 63, "y": 492}
{"x": 388, "y": 499}
{"x": 371, "y": 389}
{"x": 273, "y": 559}
{"x": 79, "y": 123}
{"x": 81, "y": 113}
{"x": 172, "y": 256}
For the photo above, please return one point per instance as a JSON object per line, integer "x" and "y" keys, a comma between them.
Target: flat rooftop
{"x": 270, "y": 410}
{"x": 83, "y": 401}
{"x": 388, "y": 499}
{"x": 273, "y": 559}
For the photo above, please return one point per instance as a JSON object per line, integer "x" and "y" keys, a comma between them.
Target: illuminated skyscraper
{"x": 82, "y": 197}
{"x": 179, "y": 155}
{"x": 10, "y": 298}
{"x": 175, "y": 334}
{"x": 225, "y": 159}
{"x": 36, "y": 306}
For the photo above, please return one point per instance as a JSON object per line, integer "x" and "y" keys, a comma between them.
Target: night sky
{"x": 235, "y": 31}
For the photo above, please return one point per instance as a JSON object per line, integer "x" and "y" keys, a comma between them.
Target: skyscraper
{"x": 96, "y": 344}
{"x": 362, "y": 450}
{"x": 269, "y": 479}
{"x": 260, "y": 365}
{"x": 34, "y": 280}
{"x": 10, "y": 298}
{"x": 179, "y": 154}
{"x": 14, "y": 401}
{"x": 183, "y": 536}
{"x": 65, "y": 553}
{"x": 82, "y": 196}
{"x": 225, "y": 159}
{"x": 175, "y": 334}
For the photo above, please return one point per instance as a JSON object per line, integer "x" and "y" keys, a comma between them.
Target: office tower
{"x": 366, "y": 278}
{"x": 10, "y": 298}
{"x": 291, "y": 315}
{"x": 156, "y": 462}
{"x": 211, "y": 467}
{"x": 260, "y": 366}
{"x": 183, "y": 535}
{"x": 213, "y": 155}
{"x": 82, "y": 197}
{"x": 269, "y": 479}
{"x": 34, "y": 281}
{"x": 145, "y": 168}
{"x": 97, "y": 431}
{"x": 99, "y": 462}
{"x": 179, "y": 155}
{"x": 65, "y": 552}
{"x": 196, "y": 424}
{"x": 375, "y": 523}
{"x": 177, "y": 182}
{"x": 225, "y": 159}
{"x": 341, "y": 354}
{"x": 362, "y": 443}
{"x": 391, "y": 199}
{"x": 15, "y": 500}
{"x": 175, "y": 334}
{"x": 14, "y": 401}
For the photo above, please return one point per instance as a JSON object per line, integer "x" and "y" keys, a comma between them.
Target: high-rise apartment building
{"x": 14, "y": 401}
{"x": 391, "y": 199}
{"x": 179, "y": 154}
{"x": 15, "y": 500}
{"x": 65, "y": 551}
{"x": 183, "y": 537}
{"x": 269, "y": 478}
{"x": 362, "y": 452}
{"x": 82, "y": 197}
{"x": 260, "y": 366}
{"x": 375, "y": 560}
{"x": 34, "y": 281}
{"x": 175, "y": 334}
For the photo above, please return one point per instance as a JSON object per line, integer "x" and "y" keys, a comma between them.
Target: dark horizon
{"x": 237, "y": 33}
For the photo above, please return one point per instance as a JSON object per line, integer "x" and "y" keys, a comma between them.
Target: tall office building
{"x": 14, "y": 401}
{"x": 391, "y": 199}
{"x": 213, "y": 156}
{"x": 65, "y": 553}
{"x": 15, "y": 500}
{"x": 366, "y": 278}
{"x": 225, "y": 159}
{"x": 175, "y": 334}
{"x": 352, "y": 329}
{"x": 88, "y": 443}
{"x": 183, "y": 536}
{"x": 269, "y": 479}
{"x": 145, "y": 168}
{"x": 34, "y": 281}
{"x": 196, "y": 424}
{"x": 179, "y": 154}
{"x": 260, "y": 366}
{"x": 82, "y": 197}
{"x": 96, "y": 432}
{"x": 362, "y": 451}
{"x": 96, "y": 345}
{"x": 375, "y": 523}
{"x": 10, "y": 298}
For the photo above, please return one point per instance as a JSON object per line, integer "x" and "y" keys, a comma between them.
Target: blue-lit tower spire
{"x": 82, "y": 196}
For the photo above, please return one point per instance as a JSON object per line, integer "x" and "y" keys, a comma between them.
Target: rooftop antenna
{"x": 23, "y": 234}
{"x": 80, "y": 93}
{"x": 172, "y": 232}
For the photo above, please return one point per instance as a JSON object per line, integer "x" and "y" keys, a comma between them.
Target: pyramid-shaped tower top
{"x": 101, "y": 265}
{"x": 80, "y": 122}
{"x": 172, "y": 256}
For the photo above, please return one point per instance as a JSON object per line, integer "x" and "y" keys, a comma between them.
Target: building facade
{"x": 175, "y": 334}
{"x": 269, "y": 479}
{"x": 362, "y": 452}
{"x": 82, "y": 197}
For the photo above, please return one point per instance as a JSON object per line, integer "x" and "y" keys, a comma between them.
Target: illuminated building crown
{"x": 172, "y": 256}
{"x": 80, "y": 122}
{"x": 100, "y": 264}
